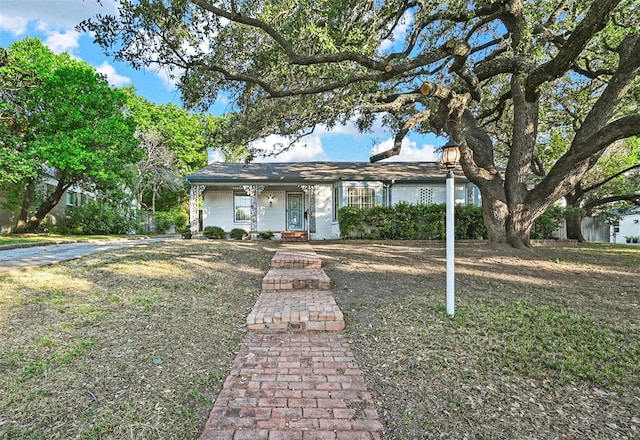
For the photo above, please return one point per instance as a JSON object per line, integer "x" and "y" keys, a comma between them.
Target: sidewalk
{"x": 289, "y": 381}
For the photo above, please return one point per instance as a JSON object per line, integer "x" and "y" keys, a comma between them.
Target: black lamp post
{"x": 450, "y": 158}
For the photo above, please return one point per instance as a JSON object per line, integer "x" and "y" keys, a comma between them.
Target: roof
{"x": 221, "y": 172}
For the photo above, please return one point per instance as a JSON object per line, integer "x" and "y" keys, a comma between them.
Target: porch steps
{"x": 278, "y": 279}
{"x": 294, "y": 236}
{"x": 296, "y": 294}
{"x": 296, "y": 257}
{"x": 296, "y": 310}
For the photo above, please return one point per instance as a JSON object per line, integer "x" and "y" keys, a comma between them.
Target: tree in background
{"x": 157, "y": 171}
{"x": 174, "y": 142}
{"x": 612, "y": 185}
{"x": 60, "y": 118}
{"x": 451, "y": 68}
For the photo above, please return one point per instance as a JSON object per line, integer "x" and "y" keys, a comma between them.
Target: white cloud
{"x": 13, "y": 25}
{"x": 60, "y": 42}
{"x": 410, "y": 151}
{"x": 168, "y": 78}
{"x": 60, "y": 14}
{"x": 308, "y": 150}
{"x": 113, "y": 77}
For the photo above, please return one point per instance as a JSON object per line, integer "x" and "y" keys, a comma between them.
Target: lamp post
{"x": 450, "y": 158}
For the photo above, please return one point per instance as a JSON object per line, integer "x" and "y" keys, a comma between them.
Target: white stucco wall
{"x": 217, "y": 209}
{"x": 271, "y": 217}
{"x": 324, "y": 213}
{"x": 629, "y": 227}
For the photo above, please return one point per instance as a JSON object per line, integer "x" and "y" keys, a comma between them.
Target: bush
{"x": 545, "y": 226}
{"x": 96, "y": 218}
{"x": 405, "y": 221}
{"x": 164, "y": 219}
{"x": 215, "y": 232}
{"x": 237, "y": 233}
{"x": 266, "y": 235}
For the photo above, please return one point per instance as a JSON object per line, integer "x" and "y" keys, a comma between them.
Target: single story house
{"x": 304, "y": 198}
{"x": 628, "y": 230}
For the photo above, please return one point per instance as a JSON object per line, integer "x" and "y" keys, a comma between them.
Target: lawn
{"x": 135, "y": 343}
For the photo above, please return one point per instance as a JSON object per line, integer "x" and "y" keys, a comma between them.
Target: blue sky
{"x": 53, "y": 21}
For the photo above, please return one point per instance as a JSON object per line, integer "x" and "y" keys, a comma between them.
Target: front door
{"x": 295, "y": 212}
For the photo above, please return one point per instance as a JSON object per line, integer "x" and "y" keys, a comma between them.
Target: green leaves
{"x": 60, "y": 117}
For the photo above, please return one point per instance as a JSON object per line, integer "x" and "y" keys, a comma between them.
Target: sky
{"x": 53, "y": 21}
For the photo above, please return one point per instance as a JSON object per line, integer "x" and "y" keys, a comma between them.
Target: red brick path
{"x": 294, "y": 385}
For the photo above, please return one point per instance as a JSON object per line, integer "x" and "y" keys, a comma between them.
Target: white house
{"x": 304, "y": 197}
{"x": 628, "y": 230}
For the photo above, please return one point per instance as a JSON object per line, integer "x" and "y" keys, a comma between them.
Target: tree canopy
{"x": 494, "y": 76}
{"x": 60, "y": 118}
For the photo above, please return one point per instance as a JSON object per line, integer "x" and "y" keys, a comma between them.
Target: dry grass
{"x": 544, "y": 345}
{"x": 135, "y": 343}
{"x": 127, "y": 344}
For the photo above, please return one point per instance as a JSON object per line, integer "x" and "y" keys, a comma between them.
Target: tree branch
{"x": 610, "y": 178}
{"x": 590, "y": 206}
{"x": 594, "y": 21}
{"x": 400, "y": 135}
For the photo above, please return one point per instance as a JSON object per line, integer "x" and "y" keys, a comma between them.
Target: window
{"x": 336, "y": 203}
{"x": 470, "y": 196}
{"x": 242, "y": 207}
{"x": 361, "y": 197}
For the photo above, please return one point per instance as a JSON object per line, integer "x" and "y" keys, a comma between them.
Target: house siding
{"x": 271, "y": 217}
{"x": 324, "y": 213}
{"x": 217, "y": 209}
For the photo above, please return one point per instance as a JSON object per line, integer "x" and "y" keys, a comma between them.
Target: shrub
{"x": 213, "y": 232}
{"x": 405, "y": 221}
{"x": 266, "y": 235}
{"x": 237, "y": 233}
{"x": 164, "y": 219}
{"x": 97, "y": 218}
{"x": 545, "y": 226}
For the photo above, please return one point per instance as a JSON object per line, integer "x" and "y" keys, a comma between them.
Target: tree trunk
{"x": 23, "y": 215}
{"x": 31, "y": 224}
{"x": 573, "y": 215}
{"x": 518, "y": 227}
{"x": 574, "y": 226}
{"x": 495, "y": 213}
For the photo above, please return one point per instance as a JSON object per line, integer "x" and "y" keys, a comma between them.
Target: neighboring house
{"x": 304, "y": 197}
{"x": 72, "y": 197}
{"x": 628, "y": 229}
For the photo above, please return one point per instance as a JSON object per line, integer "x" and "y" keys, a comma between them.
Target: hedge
{"x": 405, "y": 221}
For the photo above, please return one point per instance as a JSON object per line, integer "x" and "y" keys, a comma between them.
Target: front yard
{"x": 135, "y": 343}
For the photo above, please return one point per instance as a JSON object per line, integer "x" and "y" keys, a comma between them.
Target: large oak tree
{"x": 460, "y": 68}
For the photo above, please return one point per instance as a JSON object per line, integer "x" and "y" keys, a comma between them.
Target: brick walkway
{"x": 294, "y": 385}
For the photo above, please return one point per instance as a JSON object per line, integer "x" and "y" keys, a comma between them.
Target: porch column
{"x": 253, "y": 191}
{"x": 310, "y": 191}
{"x": 194, "y": 199}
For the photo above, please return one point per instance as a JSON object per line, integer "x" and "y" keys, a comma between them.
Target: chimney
{"x": 215, "y": 155}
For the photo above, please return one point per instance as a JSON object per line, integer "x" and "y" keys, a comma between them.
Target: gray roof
{"x": 223, "y": 172}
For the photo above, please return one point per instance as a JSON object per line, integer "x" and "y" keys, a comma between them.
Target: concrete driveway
{"x": 24, "y": 258}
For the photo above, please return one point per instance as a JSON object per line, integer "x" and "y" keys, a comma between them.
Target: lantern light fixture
{"x": 450, "y": 154}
